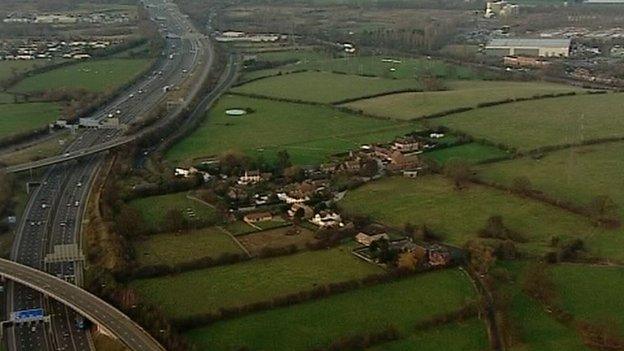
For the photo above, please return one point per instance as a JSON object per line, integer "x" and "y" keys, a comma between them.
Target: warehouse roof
{"x": 530, "y": 42}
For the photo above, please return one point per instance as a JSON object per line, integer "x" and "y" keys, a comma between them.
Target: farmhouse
{"x": 407, "y": 144}
{"x": 529, "y": 47}
{"x": 522, "y": 61}
{"x": 326, "y": 219}
{"x": 258, "y": 217}
{"x": 251, "y": 177}
{"x": 367, "y": 240}
{"x": 308, "y": 212}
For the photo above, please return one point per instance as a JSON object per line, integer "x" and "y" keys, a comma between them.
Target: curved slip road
{"x": 85, "y": 303}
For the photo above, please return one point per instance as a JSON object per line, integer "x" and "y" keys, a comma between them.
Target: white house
{"x": 326, "y": 219}
{"x": 251, "y": 177}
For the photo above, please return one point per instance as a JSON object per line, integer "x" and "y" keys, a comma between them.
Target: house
{"x": 292, "y": 199}
{"x": 436, "y": 135}
{"x": 327, "y": 167}
{"x": 412, "y": 173}
{"x": 326, "y": 219}
{"x": 258, "y": 217}
{"x": 529, "y": 47}
{"x": 260, "y": 199}
{"x": 407, "y": 144}
{"x": 400, "y": 161}
{"x": 351, "y": 166}
{"x": 367, "y": 240}
{"x": 308, "y": 212}
{"x": 521, "y": 61}
{"x": 250, "y": 177}
{"x": 438, "y": 256}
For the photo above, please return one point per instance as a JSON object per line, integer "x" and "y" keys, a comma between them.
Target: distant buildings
{"x": 233, "y": 36}
{"x": 529, "y": 47}
{"x": 501, "y": 9}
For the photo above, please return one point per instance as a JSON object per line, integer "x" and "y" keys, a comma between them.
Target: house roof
{"x": 529, "y": 42}
{"x": 258, "y": 215}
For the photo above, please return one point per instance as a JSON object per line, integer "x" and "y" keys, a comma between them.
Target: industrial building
{"x": 501, "y": 9}
{"x": 529, "y": 47}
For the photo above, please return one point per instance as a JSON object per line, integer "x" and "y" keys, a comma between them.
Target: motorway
{"x": 83, "y": 302}
{"x": 53, "y": 214}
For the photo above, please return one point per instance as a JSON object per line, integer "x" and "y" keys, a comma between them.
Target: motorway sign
{"x": 25, "y": 316}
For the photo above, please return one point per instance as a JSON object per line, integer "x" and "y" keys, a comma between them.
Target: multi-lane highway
{"x": 53, "y": 214}
{"x": 88, "y": 305}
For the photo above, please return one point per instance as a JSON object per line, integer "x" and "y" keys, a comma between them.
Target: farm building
{"x": 258, "y": 217}
{"x": 529, "y": 47}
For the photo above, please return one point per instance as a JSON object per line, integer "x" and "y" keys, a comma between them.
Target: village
{"x": 51, "y": 49}
{"x": 306, "y": 197}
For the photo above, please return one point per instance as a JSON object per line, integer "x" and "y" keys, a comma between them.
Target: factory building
{"x": 529, "y": 47}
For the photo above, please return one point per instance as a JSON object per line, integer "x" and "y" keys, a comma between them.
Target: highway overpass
{"x": 92, "y": 307}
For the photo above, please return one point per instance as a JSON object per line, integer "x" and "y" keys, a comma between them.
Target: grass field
{"x": 51, "y": 147}
{"x": 171, "y": 249}
{"x": 275, "y": 238}
{"x": 309, "y": 133}
{"x": 459, "y": 94}
{"x": 471, "y": 153}
{"x": 577, "y": 286}
{"x": 22, "y": 118}
{"x": 469, "y": 335}
{"x": 304, "y": 56}
{"x": 95, "y": 75}
{"x": 8, "y": 67}
{"x": 458, "y": 215}
{"x": 323, "y": 87}
{"x": 544, "y": 122}
{"x": 154, "y": 208}
{"x": 537, "y": 330}
{"x": 6, "y": 98}
{"x": 317, "y": 323}
{"x": 577, "y": 174}
{"x": 404, "y": 68}
{"x": 251, "y": 281}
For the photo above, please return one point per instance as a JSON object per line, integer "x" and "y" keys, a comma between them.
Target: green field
{"x": 537, "y": 330}
{"x": 6, "y": 98}
{"x": 407, "y": 68}
{"x": 154, "y": 208}
{"x": 309, "y": 133}
{"x": 303, "y": 56}
{"x": 458, "y": 215}
{"x": 459, "y": 94}
{"x": 251, "y": 281}
{"x": 471, "y": 153}
{"x": 544, "y": 122}
{"x": 576, "y": 174}
{"x": 469, "y": 335}
{"x": 95, "y": 75}
{"x": 171, "y": 249}
{"x": 323, "y": 87}
{"x": 22, "y": 118}
{"x": 8, "y": 67}
{"x": 46, "y": 148}
{"x": 591, "y": 293}
{"x": 317, "y": 323}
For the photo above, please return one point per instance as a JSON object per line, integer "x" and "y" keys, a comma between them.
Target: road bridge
{"x": 92, "y": 307}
